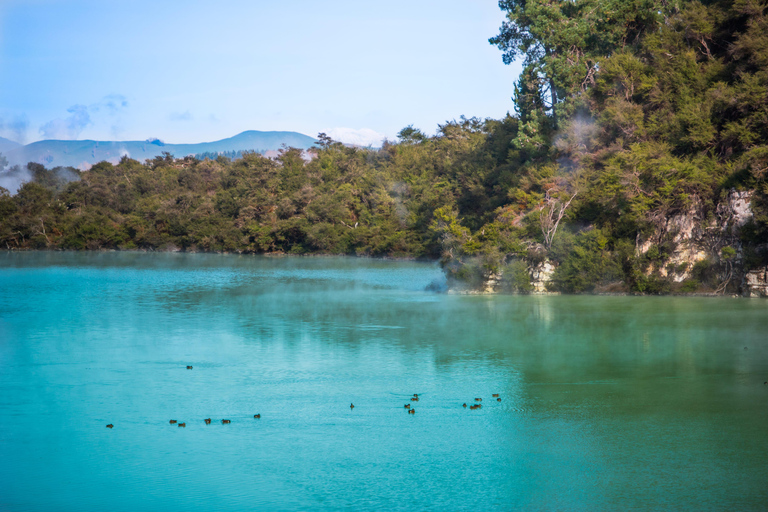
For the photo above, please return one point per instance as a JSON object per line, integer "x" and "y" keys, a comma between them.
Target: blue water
{"x": 608, "y": 403}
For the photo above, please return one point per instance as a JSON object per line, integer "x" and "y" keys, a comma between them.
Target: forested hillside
{"x": 638, "y": 127}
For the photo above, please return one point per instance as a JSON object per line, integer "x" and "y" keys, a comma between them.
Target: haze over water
{"x": 608, "y": 403}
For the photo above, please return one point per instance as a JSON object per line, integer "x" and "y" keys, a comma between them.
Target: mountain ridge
{"x": 8, "y": 145}
{"x": 82, "y": 154}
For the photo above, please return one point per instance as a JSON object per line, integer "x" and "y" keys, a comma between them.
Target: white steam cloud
{"x": 11, "y": 179}
{"x": 362, "y": 137}
{"x": 68, "y": 128}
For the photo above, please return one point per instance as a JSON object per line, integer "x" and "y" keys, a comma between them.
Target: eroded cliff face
{"x": 688, "y": 237}
{"x": 541, "y": 276}
{"x": 691, "y": 237}
{"x": 756, "y": 283}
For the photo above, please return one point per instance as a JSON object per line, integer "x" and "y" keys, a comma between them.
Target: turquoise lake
{"x": 607, "y": 403}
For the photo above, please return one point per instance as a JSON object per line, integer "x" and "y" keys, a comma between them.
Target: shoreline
{"x": 176, "y": 250}
{"x": 448, "y": 291}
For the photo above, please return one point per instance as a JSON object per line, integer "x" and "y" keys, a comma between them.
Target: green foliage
{"x": 588, "y": 264}
{"x": 563, "y": 43}
{"x": 689, "y": 286}
{"x": 515, "y": 277}
{"x": 627, "y": 113}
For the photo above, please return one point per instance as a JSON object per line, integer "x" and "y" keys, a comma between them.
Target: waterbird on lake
{"x": 172, "y": 422}
{"x": 407, "y": 406}
{"x": 110, "y": 425}
{"x": 416, "y": 395}
{"x": 189, "y": 367}
{"x": 498, "y": 399}
{"x": 351, "y": 406}
{"x": 464, "y": 405}
{"x": 415, "y": 399}
{"x": 224, "y": 422}
{"x": 257, "y": 416}
{"x": 495, "y": 395}
{"x": 183, "y": 425}
{"x": 478, "y": 399}
{"x": 476, "y": 406}
{"x": 207, "y": 421}
{"x": 411, "y": 411}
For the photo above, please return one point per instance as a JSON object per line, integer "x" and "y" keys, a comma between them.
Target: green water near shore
{"x": 608, "y": 403}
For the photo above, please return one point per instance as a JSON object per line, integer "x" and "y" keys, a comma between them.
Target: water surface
{"x": 608, "y": 403}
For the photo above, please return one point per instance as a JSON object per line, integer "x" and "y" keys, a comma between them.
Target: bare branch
{"x": 552, "y": 212}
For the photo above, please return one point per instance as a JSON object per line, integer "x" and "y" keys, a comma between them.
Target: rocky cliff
{"x": 683, "y": 244}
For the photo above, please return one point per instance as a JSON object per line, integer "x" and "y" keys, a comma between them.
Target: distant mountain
{"x": 84, "y": 153}
{"x": 8, "y": 145}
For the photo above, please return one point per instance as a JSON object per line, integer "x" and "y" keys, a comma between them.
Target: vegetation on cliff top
{"x": 627, "y": 113}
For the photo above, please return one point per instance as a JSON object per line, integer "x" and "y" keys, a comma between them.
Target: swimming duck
{"x": 416, "y": 395}
{"x": 411, "y": 411}
{"x": 478, "y": 399}
{"x": 257, "y": 416}
{"x": 495, "y": 395}
{"x": 498, "y": 399}
{"x": 464, "y": 405}
{"x": 172, "y": 422}
{"x": 189, "y": 367}
{"x": 224, "y": 422}
{"x": 207, "y": 421}
{"x": 182, "y": 424}
{"x": 407, "y": 406}
{"x": 351, "y": 406}
{"x": 110, "y": 425}
{"x": 415, "y": 399}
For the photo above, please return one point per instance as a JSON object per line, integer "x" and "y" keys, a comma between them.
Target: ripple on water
{"x": 607, "y": 403}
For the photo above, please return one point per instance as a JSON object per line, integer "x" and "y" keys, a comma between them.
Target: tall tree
{"x": 562, "y": 43}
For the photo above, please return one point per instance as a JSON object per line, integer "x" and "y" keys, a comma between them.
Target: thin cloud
{"x": 14, "y": 128}
{"x": 113, "y": 104}
{"x": 107, "y": 110}
{"x": 183, "y": 116}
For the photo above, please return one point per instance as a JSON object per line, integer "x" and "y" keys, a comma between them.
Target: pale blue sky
{"x": 189, "y": 71}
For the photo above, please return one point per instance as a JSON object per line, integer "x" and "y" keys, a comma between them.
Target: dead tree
{"x": 551, "y": 212}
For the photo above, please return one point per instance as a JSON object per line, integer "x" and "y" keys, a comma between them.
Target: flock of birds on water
{"x": 407, "y": 407}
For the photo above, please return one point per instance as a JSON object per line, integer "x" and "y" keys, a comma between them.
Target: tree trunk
{"x": 553, "y": 95}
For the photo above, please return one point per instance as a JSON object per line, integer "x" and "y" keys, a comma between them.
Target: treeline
{"x": 627, "y": 114}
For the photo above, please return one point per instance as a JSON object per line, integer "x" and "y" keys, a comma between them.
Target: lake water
{"x": 607, "y": 403}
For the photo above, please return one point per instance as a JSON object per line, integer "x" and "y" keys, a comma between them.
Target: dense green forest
{"x": 627, "y": 113}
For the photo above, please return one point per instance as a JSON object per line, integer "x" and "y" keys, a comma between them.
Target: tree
{"x": 411, "y": 135}
{"x": 324, "y": 141}
{"x": 551, "y": 212}
{"x": 563, "y": 42}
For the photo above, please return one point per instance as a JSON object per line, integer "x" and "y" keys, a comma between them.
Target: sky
{"x": 191, "y": 71}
